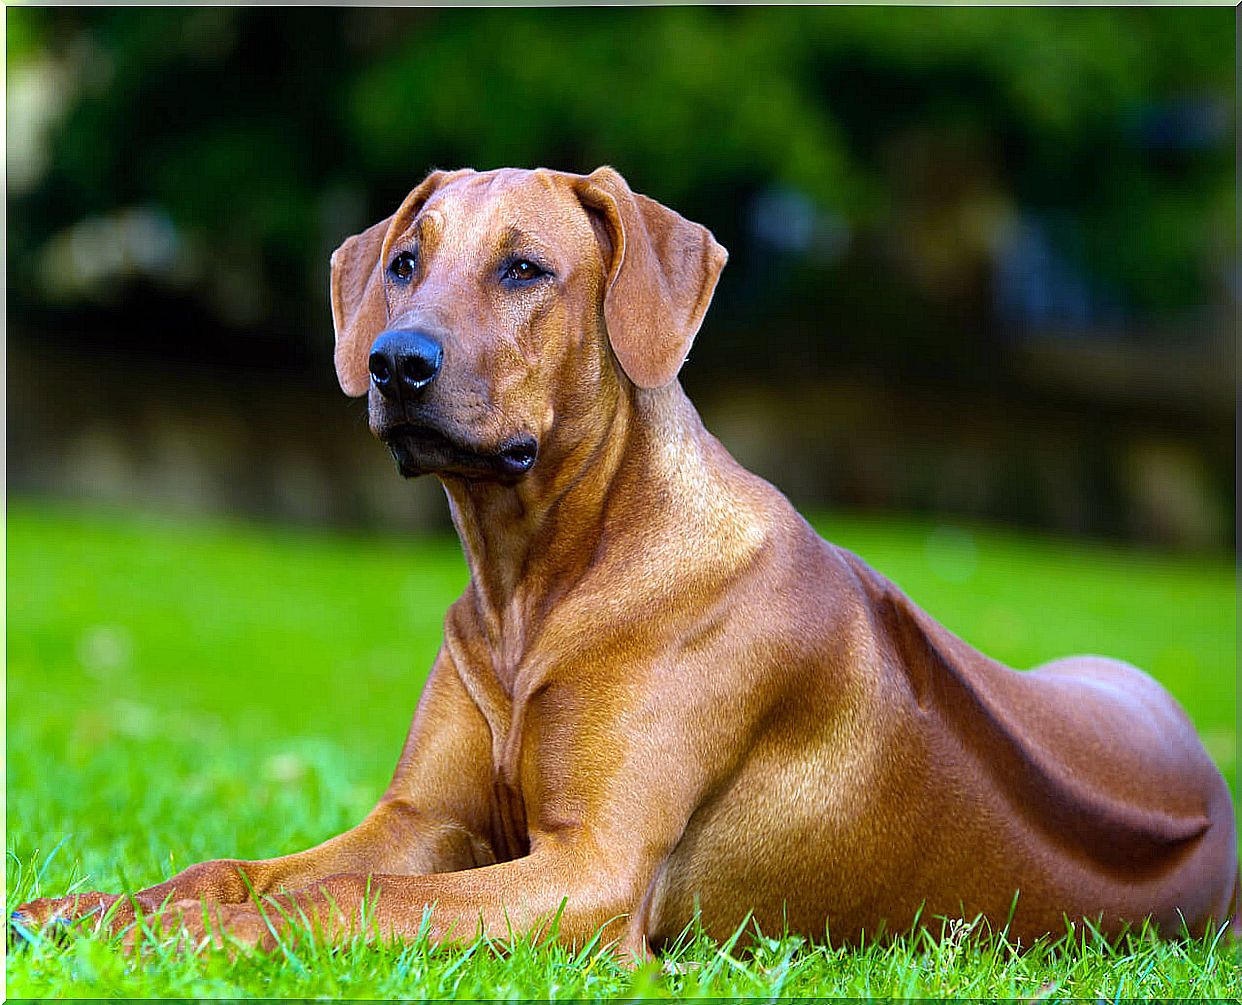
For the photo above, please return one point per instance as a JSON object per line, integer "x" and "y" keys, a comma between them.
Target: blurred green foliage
{"x": 265, "y": 137}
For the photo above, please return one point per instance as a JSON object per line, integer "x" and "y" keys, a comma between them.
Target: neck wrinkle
{"x": 530, "y": 544}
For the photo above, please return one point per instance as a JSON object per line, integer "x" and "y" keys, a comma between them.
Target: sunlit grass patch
{"x": 963, "y": 960}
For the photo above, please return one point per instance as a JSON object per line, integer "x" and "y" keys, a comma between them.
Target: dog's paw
{"x": 197, "y": 926}
{"x": 51, "y": 917}
{"x": 23, "y": 931}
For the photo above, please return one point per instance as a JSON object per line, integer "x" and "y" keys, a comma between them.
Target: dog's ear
{"x": 661, "y": 273}
{"x": 359, "y": 310}
{"x": 359, "y": 306}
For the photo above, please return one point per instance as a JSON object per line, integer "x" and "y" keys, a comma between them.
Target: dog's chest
{"x": 510, "y": 836}
{"x": 517, "y": 693}
{"x": 505, "y": 715}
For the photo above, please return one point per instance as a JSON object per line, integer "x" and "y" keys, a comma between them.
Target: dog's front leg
{"x": 565, "y": 886}
{"x": 430, "y": 820}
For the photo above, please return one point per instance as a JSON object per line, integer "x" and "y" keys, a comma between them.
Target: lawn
{"x": 186, "y": 690}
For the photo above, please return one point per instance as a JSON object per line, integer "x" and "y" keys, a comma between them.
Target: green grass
{"x": 181, "y": 691}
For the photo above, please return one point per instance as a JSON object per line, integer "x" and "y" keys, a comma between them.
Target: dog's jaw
{"x": 422, "y": 448}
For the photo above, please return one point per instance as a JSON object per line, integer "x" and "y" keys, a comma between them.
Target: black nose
{"x": 403, "y": 362}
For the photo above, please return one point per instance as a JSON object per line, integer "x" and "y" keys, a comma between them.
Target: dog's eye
{"x": 523, "y": 271}
{"x": 401, "y": 268}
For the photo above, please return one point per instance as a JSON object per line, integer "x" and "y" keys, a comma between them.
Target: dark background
{"x": 983, "y": 262}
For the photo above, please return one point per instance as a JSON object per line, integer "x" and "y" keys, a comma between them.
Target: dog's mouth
{"x": 420, "y": 450}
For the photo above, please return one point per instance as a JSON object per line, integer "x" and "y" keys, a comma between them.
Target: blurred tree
{"x": 179, "y": 171}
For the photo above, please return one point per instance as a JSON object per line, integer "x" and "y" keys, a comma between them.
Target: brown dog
{"x": 661, "y": 690}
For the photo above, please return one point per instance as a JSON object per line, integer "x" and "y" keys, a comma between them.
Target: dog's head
{"x": 495, "y": 315}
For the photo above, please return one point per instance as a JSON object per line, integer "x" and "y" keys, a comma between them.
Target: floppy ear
{"x": 662, "y": 271}
{"x": 359, "y": 311}
{"x": 359, "y": 307}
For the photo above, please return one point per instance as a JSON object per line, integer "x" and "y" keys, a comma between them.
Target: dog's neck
{"x": 529, "y": 545}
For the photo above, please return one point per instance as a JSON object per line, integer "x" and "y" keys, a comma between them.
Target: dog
{"x": 662, "y": 693}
